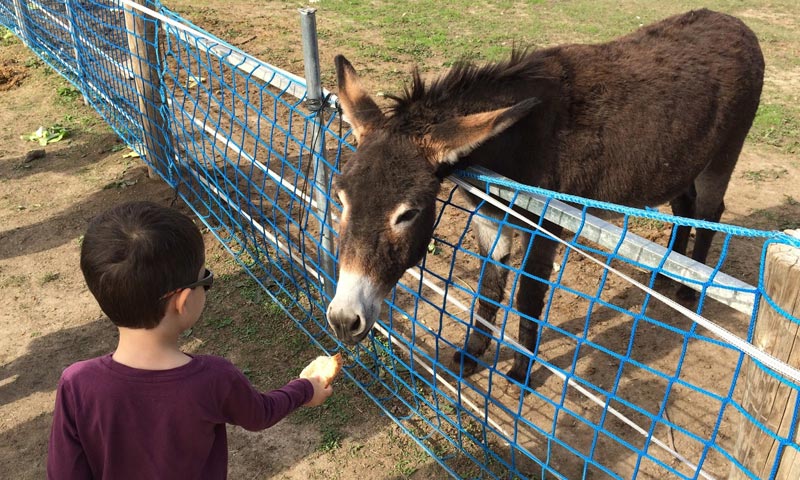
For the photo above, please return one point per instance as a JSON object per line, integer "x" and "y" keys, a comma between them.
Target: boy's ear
{"x": 179, "y": 300}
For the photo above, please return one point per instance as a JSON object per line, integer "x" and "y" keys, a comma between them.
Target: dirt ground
{"x": 48, "y": 320}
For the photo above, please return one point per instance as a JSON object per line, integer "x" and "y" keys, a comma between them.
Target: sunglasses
{"x": 206, "y": 282}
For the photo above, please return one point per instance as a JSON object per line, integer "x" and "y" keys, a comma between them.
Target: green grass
{"x": 7, "y": 37}
{"x": 435, "y": 34}
{"x": 778, "y": 126}
{"x": 49, "y": 277}
{"x": 14, "y": 281}
{"x": 764, "y": 174}
{"x": 67, "y": 93}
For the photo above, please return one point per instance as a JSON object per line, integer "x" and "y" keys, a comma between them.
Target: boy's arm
{"x": 253, "y": 410}
{"x": 65, "y": 456}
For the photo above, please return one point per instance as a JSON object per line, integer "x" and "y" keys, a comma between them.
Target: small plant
{"x": 406, "y": 467}
{"x": 220, "y": 323}
{"x": 7, "y": 37}
{"x": 122, "y": 183}
{"x": 331, "y": 440}
{"x": 33, "y": 62}
{"x": 49, "y": 277}
{"x": 68, "y": 93}
{"x": 790, "y": 200}
{"x": 433, "y": 248}
{"x": 45, "y": 136}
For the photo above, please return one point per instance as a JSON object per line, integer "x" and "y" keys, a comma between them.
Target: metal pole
{"x": 320, "y": 187}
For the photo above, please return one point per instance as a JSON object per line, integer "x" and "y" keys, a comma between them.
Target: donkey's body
{"x": 659, "y": 115}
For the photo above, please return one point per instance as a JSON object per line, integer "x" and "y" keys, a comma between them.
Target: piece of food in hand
{"x": 324, "y": 367}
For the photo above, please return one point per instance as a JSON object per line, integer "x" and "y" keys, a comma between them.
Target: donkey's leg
{"x": 711, "y": 185}
{"x": 530, "y": 296}
{"x": 492, "y": 284}
{"x": 683, "y": 206}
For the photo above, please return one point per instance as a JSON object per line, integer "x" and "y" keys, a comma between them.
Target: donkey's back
{"x": 644, "y": 115}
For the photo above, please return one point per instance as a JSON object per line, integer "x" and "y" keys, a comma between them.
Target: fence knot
{"x": 316, "y": 105}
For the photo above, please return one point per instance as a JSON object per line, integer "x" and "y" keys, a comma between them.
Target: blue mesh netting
{"x": 625, "y": 387}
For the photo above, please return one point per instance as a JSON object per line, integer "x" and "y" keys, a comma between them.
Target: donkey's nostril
{"x": 357, "y": 326}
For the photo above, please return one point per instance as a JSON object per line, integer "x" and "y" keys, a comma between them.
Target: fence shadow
{"x": 84, "y": 150}
{"x": 39, "y": 369}
{"x": 70, "y": 223}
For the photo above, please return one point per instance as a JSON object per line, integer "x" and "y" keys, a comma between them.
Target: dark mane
{"x": 466, "y": 79}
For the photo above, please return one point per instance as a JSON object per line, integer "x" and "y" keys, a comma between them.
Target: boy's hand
{"x": 321, "y": 391}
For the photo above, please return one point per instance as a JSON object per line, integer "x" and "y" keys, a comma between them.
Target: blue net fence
{"x": 624, "y": 386}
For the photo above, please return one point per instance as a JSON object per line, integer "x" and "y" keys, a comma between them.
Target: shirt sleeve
{"x": 253, "y": 410}
{"x": 66, "y": 458}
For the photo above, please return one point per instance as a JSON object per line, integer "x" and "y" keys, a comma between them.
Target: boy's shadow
{"x": 39, "y": 369}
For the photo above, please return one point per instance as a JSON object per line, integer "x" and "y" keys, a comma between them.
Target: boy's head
{"x": 134, "y": 254}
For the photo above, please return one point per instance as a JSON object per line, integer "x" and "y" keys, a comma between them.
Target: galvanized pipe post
{"x": 322, "y": 175}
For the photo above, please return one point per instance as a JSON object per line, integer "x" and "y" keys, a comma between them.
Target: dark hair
{"x": 135, "y": 253}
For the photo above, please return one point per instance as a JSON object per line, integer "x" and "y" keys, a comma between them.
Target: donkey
{"x": 659, "y": 115}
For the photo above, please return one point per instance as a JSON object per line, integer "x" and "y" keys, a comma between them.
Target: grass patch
{"x": 67, "y": 94}
{"x": 219, "y": 322}
{"x": 15, "y": 281}
{"x": 7, "y": 37}
{"x": 778, "y": 126}
{"x": 764, "y": 174}
{"x": 49, "y": 277}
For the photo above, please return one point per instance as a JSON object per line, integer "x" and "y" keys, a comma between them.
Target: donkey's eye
{"x": 407, "y": 216}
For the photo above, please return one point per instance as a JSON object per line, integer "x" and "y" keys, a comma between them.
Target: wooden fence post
{"x": 76, "y": 41}
{"x": 21, "y": 12}
{"x": 769, "y": 401}
{"x": 145, "y": 64}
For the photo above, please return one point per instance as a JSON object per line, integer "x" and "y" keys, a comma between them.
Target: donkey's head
{"x": 388, "y": 192}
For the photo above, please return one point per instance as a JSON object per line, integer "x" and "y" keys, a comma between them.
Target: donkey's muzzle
{"x": 349, "y": 326}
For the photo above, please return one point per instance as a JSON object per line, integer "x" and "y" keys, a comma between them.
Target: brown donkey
{"x": 658, "y": 115}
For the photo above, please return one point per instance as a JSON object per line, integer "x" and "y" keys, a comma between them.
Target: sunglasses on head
{"x": 206, "y": 282}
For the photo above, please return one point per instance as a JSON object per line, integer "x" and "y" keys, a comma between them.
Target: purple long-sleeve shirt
{"x": 116, "y": 422}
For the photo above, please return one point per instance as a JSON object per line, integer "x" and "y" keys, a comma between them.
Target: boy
{"x": 149, "y": 410}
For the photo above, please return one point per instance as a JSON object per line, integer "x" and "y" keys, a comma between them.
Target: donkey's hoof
{"x": 470, "y": 365}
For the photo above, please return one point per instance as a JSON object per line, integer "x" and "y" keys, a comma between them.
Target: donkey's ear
{"x": 361, "y": 111}
{"x": 455, "y": 138}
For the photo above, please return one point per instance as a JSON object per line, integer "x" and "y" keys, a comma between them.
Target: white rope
{"x": 787, "y": 371}
{"x": 594, "y": 398}
{"x": 442, "y": 381}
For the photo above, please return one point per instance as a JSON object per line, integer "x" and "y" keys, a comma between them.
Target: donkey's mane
{"x": 465, "y": 77}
